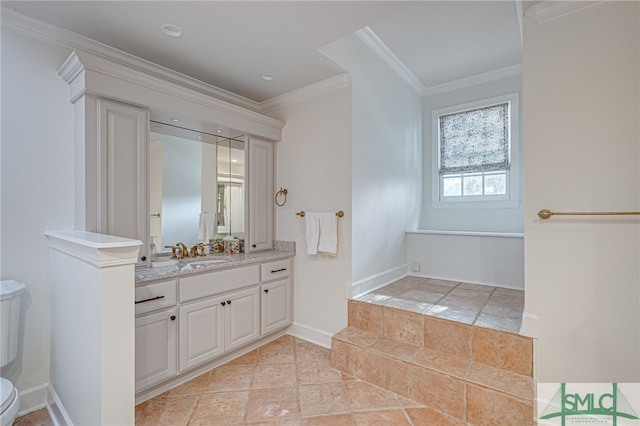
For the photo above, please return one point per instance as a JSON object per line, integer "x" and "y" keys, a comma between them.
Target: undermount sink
{"x": 207, "y": 262}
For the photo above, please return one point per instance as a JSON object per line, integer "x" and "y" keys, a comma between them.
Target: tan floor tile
{"x": 323, "y": 399}
{"x": 366, "y": 397}
{"x": 381, "y": 418}
{"x": 270, "y": 405}
{"x": 178, "y": 410}
{"x": 280, "y": 351}
{"x": 403, "y": 326}
{"x": 336, "y": 420}
{"x": 408, "y": 305}
{"x": 194, "y": 386}
{"x": 409, "y": 403}
{"x": 394, "y": 349}
{"x": 247, "y": 359}
{"x": 357, "y": 336}
{"x": 35, "y": 418}
{"x": 149, "y": 412}
{"x": 230, "y": 377}
{"x": 273, "y": 376}
{"x": 427, "y": 416}
{"x": 310, "y": 372}
{"x": 476, "y": 287}
{"x": 223, "y": 408}
{"x": 499, "y": 322}
{"x": 310, "y": 352}
{"x": 457, "y": 314}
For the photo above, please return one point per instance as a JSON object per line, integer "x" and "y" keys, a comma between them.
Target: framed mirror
{"x": 195, "y": 175}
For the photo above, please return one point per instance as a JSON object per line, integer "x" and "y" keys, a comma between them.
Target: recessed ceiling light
{"x": 266, "y": 76}
{"x": 234, "y": 161}
{"x": 171, "y": 30}
{"x": 175, "y": 120}
{"x": 219, "y": 131}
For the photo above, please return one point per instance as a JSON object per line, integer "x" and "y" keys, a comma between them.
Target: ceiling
{"x": 229, "y": 44}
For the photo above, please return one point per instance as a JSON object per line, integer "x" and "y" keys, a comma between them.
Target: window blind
{"x": 475, "y": 140}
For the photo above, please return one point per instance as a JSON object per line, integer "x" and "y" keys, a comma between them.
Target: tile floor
{"x": 291, "y": 382}
{"x": 483, "y": 306}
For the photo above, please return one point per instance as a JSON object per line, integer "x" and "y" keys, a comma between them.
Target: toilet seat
{"x": 10, "y": 402}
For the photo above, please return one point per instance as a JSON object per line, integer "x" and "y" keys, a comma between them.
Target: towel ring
{"x": 284, "y": 193}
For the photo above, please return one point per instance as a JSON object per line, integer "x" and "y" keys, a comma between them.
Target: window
{"x": 475, "y": 149}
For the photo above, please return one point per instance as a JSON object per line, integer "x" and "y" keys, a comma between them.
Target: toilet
{"x": 10, "y": 305}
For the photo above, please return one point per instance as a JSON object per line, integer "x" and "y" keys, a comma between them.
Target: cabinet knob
{"x": 143, "y": 258}
{"x": 228, "y": 302}
{"x": 223, "y": 303}
{"x": 253, "y": 245}
{"x": 266, "y": 290}
{"x": 173, "y": 317}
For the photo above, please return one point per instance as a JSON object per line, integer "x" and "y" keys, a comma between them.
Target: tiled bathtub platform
{"x": 470, "y": 373}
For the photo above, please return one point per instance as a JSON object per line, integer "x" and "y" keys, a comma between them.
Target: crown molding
{"x": 547, "y": 10}
{"x": 487, "y": 77}
{"x": 315, "y": 89}
{"x": 56, "y": 35}
{"x": 370, "y": 38}
{"x": 59, "y": 36}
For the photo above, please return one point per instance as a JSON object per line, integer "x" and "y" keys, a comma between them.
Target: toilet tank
{"x": 10, "y": 305}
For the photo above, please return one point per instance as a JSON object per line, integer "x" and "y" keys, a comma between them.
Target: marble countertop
{"x": 191, "y": 266}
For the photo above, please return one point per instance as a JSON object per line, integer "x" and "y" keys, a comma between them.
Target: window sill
{"x": 475, "y": 204}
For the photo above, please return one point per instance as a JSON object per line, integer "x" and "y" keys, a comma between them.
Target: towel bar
{"x": 302, "y": 213}
{"x": 546, "y": 214}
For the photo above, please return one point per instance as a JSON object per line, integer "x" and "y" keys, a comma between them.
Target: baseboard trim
{"x": 376, "y": 281}
{"x": 57, "y": 412}
{"x": 32, "y": 399}
{"x": 310, "y": 334}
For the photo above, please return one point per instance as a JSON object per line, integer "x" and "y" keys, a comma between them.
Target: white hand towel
{"x": 312, "y": 224}
{"x": 328, "y": 241}
{"x": 207, "y": 227}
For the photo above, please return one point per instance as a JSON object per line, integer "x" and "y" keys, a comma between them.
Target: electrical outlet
{"x": 415, "y": 265}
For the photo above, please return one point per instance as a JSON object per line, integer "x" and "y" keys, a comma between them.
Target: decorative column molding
{"x": 92, "y": 369}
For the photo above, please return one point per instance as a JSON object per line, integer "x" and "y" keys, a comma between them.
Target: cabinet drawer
{"x": 276, "y": 270}
{"x": 155, "y": 296}
{"x": 199, "y": 286}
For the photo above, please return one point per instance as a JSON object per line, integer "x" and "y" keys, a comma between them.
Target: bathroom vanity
{"x": 191, "y": 318}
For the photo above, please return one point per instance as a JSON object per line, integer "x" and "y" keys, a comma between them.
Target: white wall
{"x": 495, "y": 259}
{"x": 466, "y": 219}
{"x": 582, "y": 138}
{"x": 386, "y": 166}
{"x": 37, "y": 187}
{"x": 314, "y": 165}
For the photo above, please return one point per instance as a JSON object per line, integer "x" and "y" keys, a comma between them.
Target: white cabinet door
{"x": 242, "y": 317}
{"x": 276, "y": 305}
{"x": 260, "y": 200}
{"x": 122, "y": 183}
{"x": 156, "y": 348}
{"x": 201, "y": 332}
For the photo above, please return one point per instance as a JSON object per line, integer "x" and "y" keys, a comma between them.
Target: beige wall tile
{"x": 437, "y": 390}
{"x": 403, "y": 326}
{"x": 443, "y": 362}
{"x": 427, "y": 416}
{"x": 501, "y": 380}
{"x": 388, "y": 373}
{"x": 365, "y": 316}
{"x": 394, "y": 349}
{"x": 448, "y": 336}
{"x": 503, "y": 350}
{"x": 488, "y": 407}
{"x": 348, "y": 358}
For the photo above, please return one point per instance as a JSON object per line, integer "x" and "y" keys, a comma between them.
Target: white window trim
{"x": 512, "y": 200}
